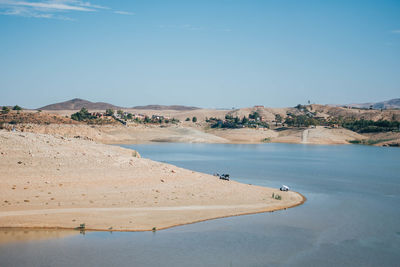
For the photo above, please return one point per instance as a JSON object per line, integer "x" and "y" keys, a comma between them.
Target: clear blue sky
{"x": 216, "y": 53}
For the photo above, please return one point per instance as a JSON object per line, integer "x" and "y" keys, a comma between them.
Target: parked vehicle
{"x": 224, "y": 177}
{"x": 284, "y": 188}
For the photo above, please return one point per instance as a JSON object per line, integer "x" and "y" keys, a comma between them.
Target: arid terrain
{"x": 110, "y": 131}
{"x": 50, "y": 181}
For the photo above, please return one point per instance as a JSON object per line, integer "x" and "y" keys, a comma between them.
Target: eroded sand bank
{"x": 137, "y": 133}
{"x": 52, "y": 181}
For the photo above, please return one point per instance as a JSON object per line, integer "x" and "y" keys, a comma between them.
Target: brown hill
{"x": 389, "y": 104}
{"x": 161, "y": 107}
{"x": 76, "y": 103}
{"x": 367, "y": 114}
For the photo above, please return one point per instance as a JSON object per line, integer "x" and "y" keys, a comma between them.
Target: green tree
{"x": 194, "y": 119}
{"x": 16, "y": 107}
{"x": 81, "y": 115}
{"x": 5, "y": 110}
{"x": 278, "y": 118}
{"x": 255, "y": 116}
{"x": 109, "y": 112}
{"x": 187, "y": 119}
{"x": 228, "y": 117}
{"x": 129, "y": 116}
{"x": 120, "y": 112}
{"x": 84, "y": 110}
{"x": 245, "y": 120}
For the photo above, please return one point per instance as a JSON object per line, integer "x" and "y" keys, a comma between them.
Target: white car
{"x": 284, "y": 188}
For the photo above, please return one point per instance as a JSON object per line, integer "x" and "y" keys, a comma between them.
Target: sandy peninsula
{"x": 52, "y": 181}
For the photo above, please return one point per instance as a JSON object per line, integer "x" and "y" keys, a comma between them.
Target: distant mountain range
{"x": 77, "y": 103}
{"x": 389, "y": 104}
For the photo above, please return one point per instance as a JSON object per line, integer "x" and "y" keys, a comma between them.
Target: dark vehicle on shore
{"x": 224, "y": 177}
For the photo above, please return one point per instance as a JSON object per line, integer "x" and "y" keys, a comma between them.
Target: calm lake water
{"x": 351, "y": 217}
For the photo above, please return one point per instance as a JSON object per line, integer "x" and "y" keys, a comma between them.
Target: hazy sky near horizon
{"x": 207, "y": 53}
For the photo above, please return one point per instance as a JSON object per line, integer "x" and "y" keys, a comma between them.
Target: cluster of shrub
{"x": 369, "y": 142}
{"x": 194, "y": 119}
{"x": 304, "y": 120}
{"x": 359, "y": 126}
{"x": 130, "y": 117}
{"x": 85, "y": 115}
{"x": 303, "y": 107}
{"x": 253, "y": 121}
{"x": 147, "y": 119}
{"x": 6, "y": 110}
{"x": 369, "y": 126}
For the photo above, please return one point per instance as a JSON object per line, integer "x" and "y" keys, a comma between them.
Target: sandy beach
{"x": 52, "y": 181}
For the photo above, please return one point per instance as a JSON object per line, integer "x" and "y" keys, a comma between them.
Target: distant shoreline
{"x": 142, "y": 134}
{"x": 215, "y": 126}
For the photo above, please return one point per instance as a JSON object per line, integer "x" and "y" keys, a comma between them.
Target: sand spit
{"x": 51, "y": 181}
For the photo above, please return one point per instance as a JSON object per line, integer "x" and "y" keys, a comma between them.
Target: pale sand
{"x": 317, "y": 136}
{"x": 56, "y": 182}
{"x": 132, "y": 134}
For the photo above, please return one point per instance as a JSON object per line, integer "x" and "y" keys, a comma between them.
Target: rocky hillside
{"x": 77, "y": 103}
{"x": 367, "y": 114}
{"x": 389, "y": 104}
{"x": 22, "y": 117}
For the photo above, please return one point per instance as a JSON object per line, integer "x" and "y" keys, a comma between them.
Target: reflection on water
{"x": 351, "y": 217}
{"x": 9, "y": 235}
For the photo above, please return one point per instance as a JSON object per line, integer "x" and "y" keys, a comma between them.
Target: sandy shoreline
{"x": 49, "y": 181}
{"x": 144, "y": 230}
{"x": 142, "y": 134}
